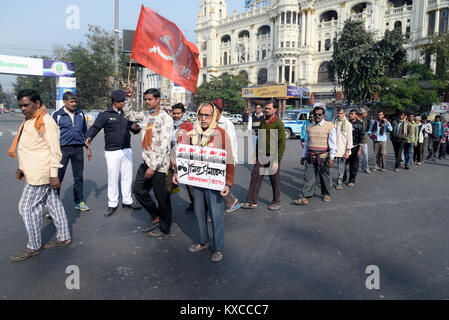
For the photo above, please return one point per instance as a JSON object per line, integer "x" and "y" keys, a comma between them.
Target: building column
{"x": 303, "y": 28}
{"x": 309, "y": 27}
{"x": 282, "y": 72}
{"x": 272, "y": 33}
{"x": 437, "y": 22}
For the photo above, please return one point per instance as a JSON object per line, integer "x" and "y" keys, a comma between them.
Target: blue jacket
{"x": 71, "y": 133}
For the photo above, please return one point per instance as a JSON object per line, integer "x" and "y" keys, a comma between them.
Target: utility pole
{"x": 116, "y": 32}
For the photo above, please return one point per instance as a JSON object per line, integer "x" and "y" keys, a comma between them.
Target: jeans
{"x": 365, "y": 165}
{"x": 340, "y": 163}
{"x": 206, "y": 199}
{"x": 442, "y": 153}
{"x": 75, "y": 154}
{"x": 353, "y": 162}
{"x": 398, "y": 146}
{"x": 141, "y": 191}
{"x": 408, "y": 151}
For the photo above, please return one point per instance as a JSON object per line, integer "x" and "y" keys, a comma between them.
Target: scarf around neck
{"x": 198, "y": 131}
{"x": 268, "y": 121}
{"x": 177, "y": 124}
{"x": 343, "y": 125}
{"x": 38, "y": 124}
{"x": 148, "y": 138}
{"x": 382, "y": 127}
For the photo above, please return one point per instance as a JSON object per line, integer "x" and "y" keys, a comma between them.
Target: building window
{"x": 398, "y": 25}
{"x": 327, "y": 44}
{"x": 204, "y": 62}
{"x": 204, "y": 46}
{"x": 204, "y": 78}
{"x": 289, "y": 17}
{"x": 258, "y": 54}
{"x": 323, "y": 75}
{"x": 287, "y": 44}
{"x": 432, "y": 18}
{"x": 287, "y": 74}
{"x": 407, "y": 32}
{"x": 319, "y": 46}
{"x": 444, "y": 13}
{"x": 225, "y": 58}
{"x": 294, "y": 17}
{"x": 293, "y": 61}
{"x": 293, "y": 74}
{"x": 282, "y": 44}
{"x": 262, "y": 77}
{"x": 280, "y": 75}
{"x": 264, "y": 54}
{"x": 293, "y": 44}
{"x": 299, "y": 22}
{"x": 282, "y": 17}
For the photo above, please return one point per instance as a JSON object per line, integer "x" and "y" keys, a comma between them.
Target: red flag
{"x": 160, "y": 46}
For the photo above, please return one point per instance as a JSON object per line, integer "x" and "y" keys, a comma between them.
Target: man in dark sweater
{"x": 269, "y": 152}
{"x": 119, "y": 158}
{"x": 358, "y": 134}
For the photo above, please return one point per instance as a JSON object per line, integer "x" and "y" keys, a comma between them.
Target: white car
{"x": 236, "y": 118}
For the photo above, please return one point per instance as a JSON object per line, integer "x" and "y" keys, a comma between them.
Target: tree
{"x": 94, "y": 71}
{"x": 228, "y": 87}
{"x": 359, "y": 63}
{"x": 438, "y": 47}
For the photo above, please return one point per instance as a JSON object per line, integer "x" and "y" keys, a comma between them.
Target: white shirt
{"x": 71, "y": 114}
{"x": 331, "y": 141}
{"x": 228, "y": 126}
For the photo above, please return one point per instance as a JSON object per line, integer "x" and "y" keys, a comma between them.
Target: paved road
{"x": 395, "y": 221}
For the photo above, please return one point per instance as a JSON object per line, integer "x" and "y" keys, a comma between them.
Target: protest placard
{"x": 201, "y": 166}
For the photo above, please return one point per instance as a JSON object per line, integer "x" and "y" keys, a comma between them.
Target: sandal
{"x": 234, "y": 206}
{"x": 217, "y": 256}
{"x": 326, "y": 198}
{"x": 57, "y": 244}
{"x": 249, "y": 206}
{"x": 28, "y": 253}
{"x": 339, "y": 187}
{"x": 274, "y": 207}
{"x": 351, "y": 184}
{"x": 301, "y": 202}
{"x": 197, "y": 247}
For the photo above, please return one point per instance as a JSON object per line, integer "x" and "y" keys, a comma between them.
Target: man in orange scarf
{"x": 39, "y": 155}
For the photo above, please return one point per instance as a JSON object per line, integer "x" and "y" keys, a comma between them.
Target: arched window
{"x": 226, "y": 39}
{"x": 399, "y": 3}
{"x": 263, "y": 30}
{"x": 398, "y": 25}
{"x": 262, "y": 77}
{"x": 359, "y": 8}
{"x": 244, "y": 74}
{"x": 328, "y": 16}
{"x": 323, "y": 75}
{"x": 243, "y": 34}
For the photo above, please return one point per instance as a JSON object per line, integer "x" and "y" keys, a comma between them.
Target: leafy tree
{"x": 228, "y": 87}
{"x": 438, "y": 47}
{"x": 359, "y": 63}
{"x": 407, "y": 94}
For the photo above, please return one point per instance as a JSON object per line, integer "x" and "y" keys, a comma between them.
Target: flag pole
{"x": 129, "y": 70}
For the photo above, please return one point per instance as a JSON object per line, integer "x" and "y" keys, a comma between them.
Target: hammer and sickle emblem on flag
{"x": 174, "y": 56}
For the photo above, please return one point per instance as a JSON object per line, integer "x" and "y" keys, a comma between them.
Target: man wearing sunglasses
{"x": 318, "y": 156}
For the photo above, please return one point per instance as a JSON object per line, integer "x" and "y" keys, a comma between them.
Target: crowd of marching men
{"x": 46, "y": 144}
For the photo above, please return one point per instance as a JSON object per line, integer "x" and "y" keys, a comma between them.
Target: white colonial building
{"x": 291, "y": 41}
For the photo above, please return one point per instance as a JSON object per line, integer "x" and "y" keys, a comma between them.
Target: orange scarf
{"x": 38, "y": 124}
{"x": 148, "y": 138}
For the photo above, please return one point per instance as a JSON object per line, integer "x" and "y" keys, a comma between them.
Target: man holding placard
{"x": 207, "y": 164}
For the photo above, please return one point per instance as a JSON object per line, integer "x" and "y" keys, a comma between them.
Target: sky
{"x": 30, "y": 27}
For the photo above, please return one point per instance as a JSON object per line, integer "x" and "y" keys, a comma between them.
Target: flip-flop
{"x": 194, "y": 248}
{"x": 28, "y": 253}
{"x": 57, "y": 244}
{"x": 249, "y": 206}
{"x": 234, "y": 207}
{"x": 300, "y": 202}
{"x": 274, "y": 207}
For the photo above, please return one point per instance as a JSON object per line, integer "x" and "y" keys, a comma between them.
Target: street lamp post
{"x": 116, "y": 32}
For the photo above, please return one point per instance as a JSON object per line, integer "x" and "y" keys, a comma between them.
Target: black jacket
{"x": 116, "y": 130}
{"x": 358, "y": 133}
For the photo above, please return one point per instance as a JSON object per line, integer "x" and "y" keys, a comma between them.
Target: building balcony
{"x": 328, "y": 24}
{"x": 361, "y": 16}
{"x": 437, "y": 4}
{"x": 400, "y": 12}
{"x": 264, "y": 37}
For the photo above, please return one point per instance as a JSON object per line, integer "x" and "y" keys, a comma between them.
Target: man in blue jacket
{"x": 72, "y": 130}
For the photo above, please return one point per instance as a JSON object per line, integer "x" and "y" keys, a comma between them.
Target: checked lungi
{"x": 31, "y": 204}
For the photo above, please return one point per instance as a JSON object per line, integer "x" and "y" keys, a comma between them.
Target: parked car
{"x": 293, "y": 121}
{"x": 236, "y": 119}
